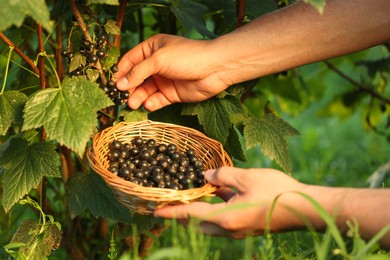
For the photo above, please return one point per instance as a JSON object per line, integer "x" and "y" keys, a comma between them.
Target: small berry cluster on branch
{"x": 84, "y": 63}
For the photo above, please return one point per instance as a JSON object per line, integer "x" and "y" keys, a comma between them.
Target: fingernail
{"x": 122, "y": 83}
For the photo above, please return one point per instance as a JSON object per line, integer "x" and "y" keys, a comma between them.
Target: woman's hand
{"x": 166, "y": 69}
{"x": 245, "y": 209}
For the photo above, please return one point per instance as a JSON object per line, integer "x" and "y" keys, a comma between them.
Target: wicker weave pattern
{"x": 145, "y": 200}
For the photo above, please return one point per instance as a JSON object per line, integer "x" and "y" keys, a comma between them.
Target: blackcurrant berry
{"x": 198, "y": 164}
{"x": 163, "y": 164}
{"x": 145, "y": 155}
{"x": 157, "y": 177}
{"x": 175, "y": 156}
{"x": 184, "y": 161}
{"x": 102, "y": 36}
{"x": 151, "y": 142}
{"x": 124, "y": 172}
{"x": 114, "y": 68}
{"x": 138, "y": 141}
{"x": 93, "y": 58}
{"x": 172, "y": 147}
{"x": 126, "y": 147}
{"x": 139, "y": 174}
{"x": 134, "y": 151}
{"x": 193, "y": 159}
{"x": 76, "y": 73}
{"x": 114, "y": 155}
{"x": 100, "y": 54}
{"x": 116, "y": 144}
{"x": 64, "y": 53}
{"x": 161, "y": 148}
{"x": 70, "y": 55}
{"x": 124, "y": 95}
{"x": 190, "y": 152}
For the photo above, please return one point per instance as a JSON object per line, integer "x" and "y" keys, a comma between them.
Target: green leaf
{"x": 77, "y": 60}
{"x": 92, "y": 74}
{"x": 190, "y": 14}
{"x": 271, "y": 133}
{"x": 35, "y": 242}
{"x": 103, "y": 2}
{"x": 89, "y": 191}
{"x": 68, "y": 114}
{"x": 111, "y": 58}
{"x": 112, "y": 27}
{"x": 14, "y": 12}
{"x": 24, "y": 166}
{"x": 233, "y": 145}
{"x": 11, "y": 109}
{"x": 133, "y": 115}
{"x": 214, "y": 115}
{"x": 318, "y": 4}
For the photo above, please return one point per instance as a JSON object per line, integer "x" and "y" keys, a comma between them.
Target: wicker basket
{"x": 145, "y": 200}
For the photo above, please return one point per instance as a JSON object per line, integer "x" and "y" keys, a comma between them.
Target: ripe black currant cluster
{"x": 95, "y": 52}
{"x": 117, "y": 96}
{"x": 148, "y": 164}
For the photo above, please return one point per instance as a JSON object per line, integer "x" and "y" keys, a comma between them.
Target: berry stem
{"x": 53, "y": 68}
{"x": 6, "y": 69}
{"x": 41, "y": 59}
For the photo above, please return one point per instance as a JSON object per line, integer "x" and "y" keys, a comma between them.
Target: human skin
{"x": 256, "y": 189}
{"x": 166, "y": 69}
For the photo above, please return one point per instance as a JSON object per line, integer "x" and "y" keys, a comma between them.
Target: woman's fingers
{"x": 198, "y": 210}
{"x": 226, "y": 177}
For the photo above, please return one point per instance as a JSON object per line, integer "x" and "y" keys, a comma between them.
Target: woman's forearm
{"x": 299, "y": 35}
{"x": 368, "y": 207}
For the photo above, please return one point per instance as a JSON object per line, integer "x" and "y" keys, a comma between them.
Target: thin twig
{"x": 356, "y": 83}
{"x": 20, "y": 53}
{"x": 84, "y": 29}
{"x": 119, "y": 20}
{"x": 41, "y": 58}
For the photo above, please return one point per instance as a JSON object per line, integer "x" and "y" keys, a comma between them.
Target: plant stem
{"x": 6, "y": 69}
{"x": 240, "y": 12}
{"x": 119, "y": 20}
{"x": 20, "y": 53}
{"x": 84, "y": 29}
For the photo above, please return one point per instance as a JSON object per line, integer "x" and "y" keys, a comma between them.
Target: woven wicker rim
{"x": 133, "y": 195}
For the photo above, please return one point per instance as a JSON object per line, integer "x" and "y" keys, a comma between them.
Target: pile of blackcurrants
{"x": 94, "y": 52}
{"x": 148, "y": 164}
